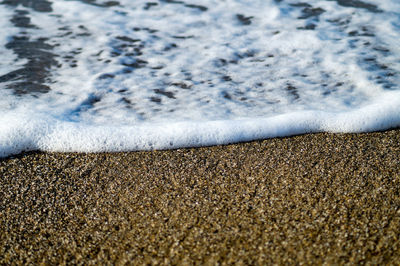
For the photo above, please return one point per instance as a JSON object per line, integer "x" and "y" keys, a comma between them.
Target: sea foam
{"x": 19, "y": 132}
{"x": 138, "y": 75}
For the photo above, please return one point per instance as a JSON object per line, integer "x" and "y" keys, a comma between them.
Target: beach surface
{"x": 315, "y": 198}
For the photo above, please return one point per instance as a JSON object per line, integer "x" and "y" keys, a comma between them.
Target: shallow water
{"x": 137, "y": 66}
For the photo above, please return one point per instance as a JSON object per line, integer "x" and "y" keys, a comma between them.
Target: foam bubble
{"x": 20, "y": 132}
{"x": 135, "y": 75}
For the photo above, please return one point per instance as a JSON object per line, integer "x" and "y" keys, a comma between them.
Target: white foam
{"x": 224, "y": 83}
{"x": 20, "y": 132}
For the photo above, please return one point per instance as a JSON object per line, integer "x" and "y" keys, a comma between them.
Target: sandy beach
{"x": 315, "y": 198}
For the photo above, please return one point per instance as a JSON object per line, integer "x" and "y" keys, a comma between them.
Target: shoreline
{"x": 311, "y": 198}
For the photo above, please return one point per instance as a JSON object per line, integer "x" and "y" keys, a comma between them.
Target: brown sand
{"x": 306, "y": 199}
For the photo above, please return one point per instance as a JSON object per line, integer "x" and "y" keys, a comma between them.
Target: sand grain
{"x": 312, "y": 199}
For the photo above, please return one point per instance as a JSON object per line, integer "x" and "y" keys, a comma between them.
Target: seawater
{"x": 97, "y": 75}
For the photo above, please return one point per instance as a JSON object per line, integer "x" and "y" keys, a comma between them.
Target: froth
{"x": 131, "y": 75}
{"x": 20, "y": 132}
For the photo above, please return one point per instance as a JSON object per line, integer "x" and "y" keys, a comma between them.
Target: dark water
{"x": 103, "y": 75}
{"x": 34, "y": 77}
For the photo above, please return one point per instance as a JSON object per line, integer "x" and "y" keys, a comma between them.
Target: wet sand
{"x": 310, "y": 199}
